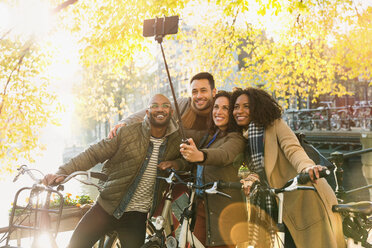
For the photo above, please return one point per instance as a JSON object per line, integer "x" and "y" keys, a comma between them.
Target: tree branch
{"x": 64, "y": 5}
{"x": 6, "y": 33}
{"x": 18, "y": 65}
{"x": 16, "y": 68}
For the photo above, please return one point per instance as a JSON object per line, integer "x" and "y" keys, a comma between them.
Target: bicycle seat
{"x": 363, "y": 207}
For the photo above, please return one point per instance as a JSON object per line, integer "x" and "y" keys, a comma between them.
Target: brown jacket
{"x": 224, "y": 216}
{"x": 307, "y": 214}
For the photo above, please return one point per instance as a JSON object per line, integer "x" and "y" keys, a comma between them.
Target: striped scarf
{"x": 262, "y": 206}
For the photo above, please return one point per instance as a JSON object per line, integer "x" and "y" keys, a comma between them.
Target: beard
{"x": 207, "y": 105}
{"x": 156, "y": 123}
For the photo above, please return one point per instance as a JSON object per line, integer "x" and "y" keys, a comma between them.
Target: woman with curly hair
{"x": 219, "y": 220}
{"x": 273, "y": 155}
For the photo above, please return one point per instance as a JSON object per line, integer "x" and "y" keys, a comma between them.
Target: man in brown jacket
{"x": 131, "y": 191}
{"x": 195, "y": 110}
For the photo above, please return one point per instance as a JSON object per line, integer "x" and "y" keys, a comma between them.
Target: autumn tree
{"x": 25, "y": 101}
{"x": 311, "y": 58}
{"x": 27, "y": 104}
{"x": 353, "y": 50}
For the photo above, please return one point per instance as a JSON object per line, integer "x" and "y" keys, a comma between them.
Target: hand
{"x": 248, "y": 182}
{"x": 112, "y": 133}
{"x": 168, "y": 164}
{"x": 314, "y": 172}
{"x": 52, "y": 179}
{"x": 191, "y": 152}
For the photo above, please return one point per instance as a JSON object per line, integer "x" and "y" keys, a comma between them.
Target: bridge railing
{"x": 337, "y": 158}
{"x": 330, "y": 118}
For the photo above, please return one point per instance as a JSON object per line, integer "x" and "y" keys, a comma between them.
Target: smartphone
{"x": 160, "y": 26}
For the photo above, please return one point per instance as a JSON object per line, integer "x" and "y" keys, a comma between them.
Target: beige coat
{"x": 307, "y": 214}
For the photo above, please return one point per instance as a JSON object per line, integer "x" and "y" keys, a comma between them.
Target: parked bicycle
{"x": 38, "y": 219}
{"x": 357, "y": 222}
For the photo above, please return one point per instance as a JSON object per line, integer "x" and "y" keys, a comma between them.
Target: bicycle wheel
{"x": 335, "y": 122}
{"x": 111, "y": 240}
{"x": 151, "y": 244}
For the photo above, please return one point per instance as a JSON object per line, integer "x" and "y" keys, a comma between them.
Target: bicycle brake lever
{"x": 213, "y": 190}
{"x": 87, "y": 182}
{"x": 294, "y": 186}
{"x": 224, "y": 194}
{"x": 21, "y": 172}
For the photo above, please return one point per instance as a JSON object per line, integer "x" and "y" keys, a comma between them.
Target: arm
{"x": 178, "y": 164}
{"x": 134, "y": 118}
{"x": 222, "y": 155}
{"x": 291, "y": 147}
{"x": 227, "y": 152}
{"x": 139, "y": 115}
{"x": 97, "y": 153}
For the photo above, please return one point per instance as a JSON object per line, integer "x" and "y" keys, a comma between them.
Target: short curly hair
{"x": 263, "y": 109}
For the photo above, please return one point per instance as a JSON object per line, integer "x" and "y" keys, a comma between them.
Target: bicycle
{"x": 292, "y": 185}
{"x": 40, "y": 215}
{"x": 161, "y": 229}
{"x": 357, "y": 222}
{"x": 305, "y": 120}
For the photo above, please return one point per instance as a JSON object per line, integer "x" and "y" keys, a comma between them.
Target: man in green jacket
{"x": 131, "y": 191}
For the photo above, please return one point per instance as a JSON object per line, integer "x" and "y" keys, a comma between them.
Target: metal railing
{"x": 337, "y": 158}
{"x": 330, "y": 118}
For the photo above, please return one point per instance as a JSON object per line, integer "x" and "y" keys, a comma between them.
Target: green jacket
{"x": 224, "y": 217}
{"x": 126, "y": 157}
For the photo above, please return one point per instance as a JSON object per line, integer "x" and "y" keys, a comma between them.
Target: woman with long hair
{"x": 273, "y": 155}
{"x": 218, "y": 219}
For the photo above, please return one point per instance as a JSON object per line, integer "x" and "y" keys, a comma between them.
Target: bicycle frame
{"x": 186, "y": 236}
{"x": 161, "y": 231}
{"x": 356, "y": 221}
{"x": 163, "y": 228}
{"x": 291, "y": 185}
{"x": 39, "y": 211}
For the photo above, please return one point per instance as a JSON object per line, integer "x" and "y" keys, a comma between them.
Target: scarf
{"x": 262, "y": 209}
{"x": 196, "y": 119}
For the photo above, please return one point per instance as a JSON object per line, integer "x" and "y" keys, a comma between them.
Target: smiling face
{"x": 241, "y": 111}
{"x": 202, "y": 94}
{"x": 220, "y": 112}
{"x": 159, "y": 111}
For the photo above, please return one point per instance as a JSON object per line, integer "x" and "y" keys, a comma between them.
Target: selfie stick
{"x": 159, "y": 38}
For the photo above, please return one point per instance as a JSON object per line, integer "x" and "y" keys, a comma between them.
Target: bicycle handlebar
{"x": 24, "y": 169}
{"x": 230, "y": 185}
{"x": 292, "y": 184}
{"x": 304, "y": 178}
{"x": 88, "y": 174}
{"x": 88, "y": 181}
